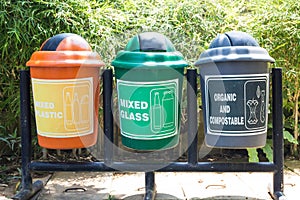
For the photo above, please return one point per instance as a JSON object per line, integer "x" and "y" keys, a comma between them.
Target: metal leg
{"x": 279, "y": 196}
{"x": 108, "y": 116}
{"x": 28, "y": 189}
{"x": 26, "y": 194}
{"x": 192, "y": 116}
{"x": 278, "y": 145}
{"x": 150, "y": 186}
{"x": 25, "y": 128}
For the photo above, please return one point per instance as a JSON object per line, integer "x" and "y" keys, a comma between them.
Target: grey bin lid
{"x": 234, "y": 46}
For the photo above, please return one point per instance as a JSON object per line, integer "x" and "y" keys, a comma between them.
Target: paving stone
{"x": 291, "y": 185}
{"x": 218, "y": 185}
{"x": 170, "y": 186}
{"x": 77, "y": 185}
{"x": 127, "y": 186}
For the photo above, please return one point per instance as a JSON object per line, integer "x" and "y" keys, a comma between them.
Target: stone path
{"x": 174, "y": 185}
{"x": 170, "y": 186}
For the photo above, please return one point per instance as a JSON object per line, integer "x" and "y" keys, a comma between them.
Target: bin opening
{"x": 150, "y": 42}
{"x": 233, "y": 38}
{"x": 65, "y": 42}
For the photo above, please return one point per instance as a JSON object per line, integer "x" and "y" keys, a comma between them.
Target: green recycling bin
{"x": 234, "y": 78}
{"x": 149, "y": 74}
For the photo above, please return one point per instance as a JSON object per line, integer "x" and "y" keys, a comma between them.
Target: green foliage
{"x": 253, "y": 155}
{"x": 10, "y": 146}
{"x": 108, "y": 25}
{"x": 268, "y": 151}
{"x": 289, "y": 137}
{"x": 268, "y": 148}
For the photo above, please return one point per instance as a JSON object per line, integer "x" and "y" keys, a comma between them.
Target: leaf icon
{"x": 258, "y": 92}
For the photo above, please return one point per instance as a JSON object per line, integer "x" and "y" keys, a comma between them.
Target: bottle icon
{"x": 156, "y": 113}
{"x": 68, "y": 111}
{"x": 262, "y": 108}
{"x": 76, "y": 109}
{"x": 168, "y": 104}
{"x": 84, "y": 111}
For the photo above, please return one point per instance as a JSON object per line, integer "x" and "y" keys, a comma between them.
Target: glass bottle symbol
{"x": 68, "y": 111}
{"x": 168, "y": 104}
{"x": 156, "y": 113}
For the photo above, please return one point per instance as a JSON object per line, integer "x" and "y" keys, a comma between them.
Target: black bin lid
{"x": 234, "y": 46}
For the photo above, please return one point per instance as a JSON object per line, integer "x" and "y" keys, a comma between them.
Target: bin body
{"x": 65, "y": 84}
{"x": 149, "y": 87}
{"x": 235, "y": 91}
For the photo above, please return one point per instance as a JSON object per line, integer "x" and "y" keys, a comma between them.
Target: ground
{"x": 10, "y": 176}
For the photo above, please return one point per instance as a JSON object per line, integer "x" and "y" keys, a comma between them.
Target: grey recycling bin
{"x": 234, "y": 78}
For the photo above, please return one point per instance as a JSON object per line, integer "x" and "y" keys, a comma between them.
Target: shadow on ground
{"x": 226, "y": 198}
{"x": 170, "y": 197}
{"x": 158, "y": 196}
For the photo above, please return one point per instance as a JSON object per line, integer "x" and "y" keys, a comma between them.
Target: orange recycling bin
{"x": 65, "y": 85}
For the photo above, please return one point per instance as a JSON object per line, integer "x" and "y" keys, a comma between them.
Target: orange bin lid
{"x": 65, "y": 50}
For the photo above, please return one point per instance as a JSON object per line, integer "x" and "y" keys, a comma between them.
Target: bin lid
{"x": 234, "y": 46}
{"x": 65, "y": 50}
{"x": 149, "y": 49}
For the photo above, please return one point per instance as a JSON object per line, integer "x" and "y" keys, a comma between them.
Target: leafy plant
{"x": 253, "y": 155}
{"x": 107, "y": 25}
{"x": 268, "y": 148}
{"x": 9, "y": 153}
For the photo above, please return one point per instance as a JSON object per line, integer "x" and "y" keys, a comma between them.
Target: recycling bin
{"x": 234, "y": 79}
{"x": 65, "y": 84}
{"x": 149, "y": 74}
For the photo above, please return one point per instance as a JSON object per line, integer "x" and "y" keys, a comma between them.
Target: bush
{"x": 108, "y": 25}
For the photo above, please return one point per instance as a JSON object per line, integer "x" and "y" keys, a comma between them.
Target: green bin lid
{"x": 149, "y": 49}
{"x": 234, "y": 46}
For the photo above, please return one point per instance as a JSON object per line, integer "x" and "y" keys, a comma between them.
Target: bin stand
{"x": 30, "y": 189}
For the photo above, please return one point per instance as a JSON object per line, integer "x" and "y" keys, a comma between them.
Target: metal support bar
{"x": 28, "y": 189}
{"x": 108, "y": 116}
{"x": 25, "y": 128}
{"x": 139, "y": 167}
{"x": 150, "y": 190}
{"x": 192, "y": 116}
{"x": 278, "y": 146}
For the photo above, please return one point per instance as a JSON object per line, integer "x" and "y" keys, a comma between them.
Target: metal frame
{"x": 29, "y": 189}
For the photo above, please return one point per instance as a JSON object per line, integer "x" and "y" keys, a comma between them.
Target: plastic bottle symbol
{"x": 156, "y": 113}
{"x": 168, "y": 103}
{"x": 68, "y": 112}
{"x": 84, "y": 109}
{"x": 76, "y": 109}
